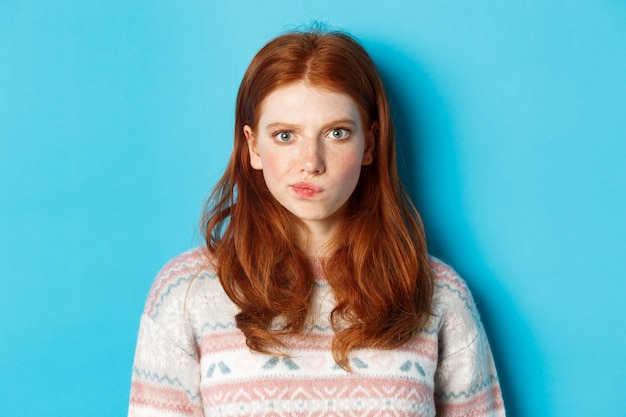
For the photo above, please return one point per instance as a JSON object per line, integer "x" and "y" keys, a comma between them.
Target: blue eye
{"x": 339, "y": 133}
{"x": 284, "y": 136}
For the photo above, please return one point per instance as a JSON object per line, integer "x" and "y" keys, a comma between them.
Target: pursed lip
{"x": 306, "y": 189}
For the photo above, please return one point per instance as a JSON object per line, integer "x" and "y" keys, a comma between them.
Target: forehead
{"x": 302, "y": 101}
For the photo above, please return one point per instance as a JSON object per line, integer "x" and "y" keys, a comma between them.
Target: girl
{"x": 314, "y": 294}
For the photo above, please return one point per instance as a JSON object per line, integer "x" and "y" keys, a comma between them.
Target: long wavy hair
{"x": 378, "y": 267}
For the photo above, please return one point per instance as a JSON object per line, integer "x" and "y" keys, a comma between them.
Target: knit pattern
{"x": 191, "y": 360}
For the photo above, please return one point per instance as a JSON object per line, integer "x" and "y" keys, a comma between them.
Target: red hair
{"x": 378, "y": 268}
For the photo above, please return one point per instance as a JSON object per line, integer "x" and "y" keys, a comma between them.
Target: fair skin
{"x": 310, "y": 144}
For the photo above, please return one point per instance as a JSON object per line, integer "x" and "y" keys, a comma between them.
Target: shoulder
{"x": 458, "y": 319}
{"x": 171, "y": 309}
{"x": 173, "y": 281}
{"x": 448, "y": 284}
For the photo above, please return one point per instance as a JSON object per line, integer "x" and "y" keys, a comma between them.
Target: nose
{"x": 312, "y": 156}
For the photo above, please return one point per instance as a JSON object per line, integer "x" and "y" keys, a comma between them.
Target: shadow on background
{"x": 428, "y": 166}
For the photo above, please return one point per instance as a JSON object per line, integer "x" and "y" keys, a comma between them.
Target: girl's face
{"x": 310, "y": 144}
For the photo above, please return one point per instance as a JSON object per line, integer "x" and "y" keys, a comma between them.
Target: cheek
{"x": 351, "y": 170}
{"x": 272, "y": 166}
{"x": 354, "y": 159}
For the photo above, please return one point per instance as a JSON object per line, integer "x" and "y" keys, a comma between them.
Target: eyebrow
{"x": 334, "y": 123}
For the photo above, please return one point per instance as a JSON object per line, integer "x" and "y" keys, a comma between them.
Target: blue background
{"x": 116, "y": 120}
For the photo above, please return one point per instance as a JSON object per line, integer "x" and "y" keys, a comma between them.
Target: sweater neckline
{"x": 317, "y": 269}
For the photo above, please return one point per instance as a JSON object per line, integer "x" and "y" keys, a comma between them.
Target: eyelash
{"x": 278, "y": 135}
{"x": 346, "y": 133}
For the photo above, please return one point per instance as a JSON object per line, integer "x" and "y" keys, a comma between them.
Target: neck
{"x": 317, "y": 238}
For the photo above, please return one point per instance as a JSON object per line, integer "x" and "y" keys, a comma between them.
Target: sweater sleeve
{"x": 166, "y": 370}
{"x": 466, "y": 381}
{"x": 165, "y": 377}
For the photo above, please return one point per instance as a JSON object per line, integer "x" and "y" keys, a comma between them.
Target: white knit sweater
{"x": 191, "y": 360}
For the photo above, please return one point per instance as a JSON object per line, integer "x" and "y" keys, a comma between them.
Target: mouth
{"x": 306, "y": 189}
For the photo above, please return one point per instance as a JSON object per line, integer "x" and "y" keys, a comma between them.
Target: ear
{"x": 370, "y": 141}
{"x": 255, "y": 158}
